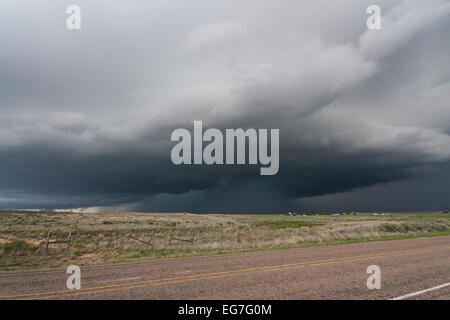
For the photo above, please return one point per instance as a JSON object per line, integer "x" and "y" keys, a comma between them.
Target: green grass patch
{"x": 17, "y": 247}
{"x": 412, "y": 227}
{"x": 284, "y": 224}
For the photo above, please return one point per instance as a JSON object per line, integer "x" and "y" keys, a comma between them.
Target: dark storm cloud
{"x": 86, "y": 116}
{"x": 412, "y": 194}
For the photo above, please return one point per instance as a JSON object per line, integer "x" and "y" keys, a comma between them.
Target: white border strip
{"x": 422, "y": 292}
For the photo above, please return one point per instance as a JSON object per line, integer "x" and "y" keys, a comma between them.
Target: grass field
{"x": 108, "y": 238}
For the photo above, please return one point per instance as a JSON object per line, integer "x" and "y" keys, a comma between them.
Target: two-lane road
{"x": 418, "y": 266}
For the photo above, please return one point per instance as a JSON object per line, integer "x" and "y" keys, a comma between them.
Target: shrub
{"x": 287, "y": 224}
{"x": 17, "y": 247}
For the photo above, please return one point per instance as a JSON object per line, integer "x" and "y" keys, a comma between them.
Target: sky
{"x": 86, "y": 116}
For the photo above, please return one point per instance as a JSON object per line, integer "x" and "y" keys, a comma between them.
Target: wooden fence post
{"x": 142, "y": 241}
{"x": 193, "y": 235}
{"x": 46, "y": 245}
{"x": 170, "y": 239}
{"x": 68, "y": 242}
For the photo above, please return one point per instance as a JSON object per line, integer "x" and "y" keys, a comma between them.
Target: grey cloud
{"x": 86, "y": 117}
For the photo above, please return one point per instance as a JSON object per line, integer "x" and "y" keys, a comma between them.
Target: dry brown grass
{"x": 101, "y": 238}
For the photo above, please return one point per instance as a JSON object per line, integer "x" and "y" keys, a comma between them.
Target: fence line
{"x": 179, "y": 239}
{"x": 68, "y": 242}
{"x": 145, "y": 242}
{"x": 48, "y": 242}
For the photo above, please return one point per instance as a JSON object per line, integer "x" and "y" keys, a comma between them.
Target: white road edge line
{"x": 421, "y": 292}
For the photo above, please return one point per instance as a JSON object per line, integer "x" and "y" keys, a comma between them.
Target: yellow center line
{"x": 156, "y": 282}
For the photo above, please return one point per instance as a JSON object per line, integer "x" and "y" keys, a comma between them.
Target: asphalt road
{"x": 332, "y": 272}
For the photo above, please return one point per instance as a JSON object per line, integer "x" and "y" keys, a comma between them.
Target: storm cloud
{"x": 86, "y": 116}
